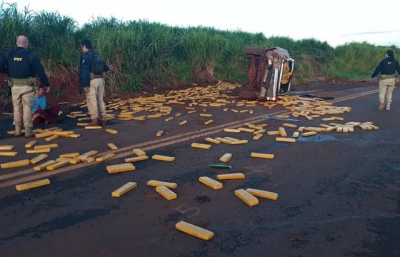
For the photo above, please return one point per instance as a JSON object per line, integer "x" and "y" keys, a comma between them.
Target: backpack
{"x": 96, "y": 62}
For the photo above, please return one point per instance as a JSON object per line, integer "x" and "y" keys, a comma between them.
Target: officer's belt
{"x": 385, "y": 76}
{"x": 22, "y": 82}
{"x": 95, "y": 76}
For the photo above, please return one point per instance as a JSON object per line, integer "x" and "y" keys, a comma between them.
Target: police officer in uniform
{"x": 91, "y": 68}
{"x": 22, "y": 67}
{"x": 387, "y": 68}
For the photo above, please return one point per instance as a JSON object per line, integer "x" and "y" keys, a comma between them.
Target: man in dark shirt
{"x": 387, "y": 68}
{"x": 22, "y": 66}
{"x": 91, "y": 68}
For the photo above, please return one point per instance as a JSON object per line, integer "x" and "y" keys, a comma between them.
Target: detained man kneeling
{"x": 41, "y": 115}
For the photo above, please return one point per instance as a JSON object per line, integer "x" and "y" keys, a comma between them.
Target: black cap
{"x": 390, "y": 53}
{"x": 87, "y": 43}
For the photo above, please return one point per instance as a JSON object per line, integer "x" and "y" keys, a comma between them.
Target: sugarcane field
{"x": 271, "y": 151}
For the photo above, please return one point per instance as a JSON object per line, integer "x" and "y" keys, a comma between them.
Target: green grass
{"x": 154, "y": 54}
{"x": 357, "y": 60}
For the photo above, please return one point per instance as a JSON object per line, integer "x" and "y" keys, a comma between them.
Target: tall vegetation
{"x": 144, "y": 53}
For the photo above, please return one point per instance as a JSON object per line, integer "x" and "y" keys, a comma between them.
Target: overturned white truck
{"x": 270, "y": 73}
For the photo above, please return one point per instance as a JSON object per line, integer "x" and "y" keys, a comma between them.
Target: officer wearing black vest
{"x": 387, "y": 68}
{"x": 91, "y": 68}
{"x": 22, "y": 66}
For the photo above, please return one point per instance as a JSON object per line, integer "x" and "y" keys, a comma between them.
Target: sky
{"x": 334, "y": 21}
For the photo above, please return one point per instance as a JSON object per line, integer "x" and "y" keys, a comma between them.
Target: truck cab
{"x": 270, "y": 73}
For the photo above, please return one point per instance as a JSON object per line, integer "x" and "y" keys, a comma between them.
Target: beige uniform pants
{"x": 95, "y": 102}
{"x": 22, "y": 98}
{"x": 386, "y": 87}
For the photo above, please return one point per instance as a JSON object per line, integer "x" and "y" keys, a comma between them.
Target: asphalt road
{"x": 338, "y": 193}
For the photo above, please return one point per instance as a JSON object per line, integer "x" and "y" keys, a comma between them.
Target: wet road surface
{"x": 338, "y": 193}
